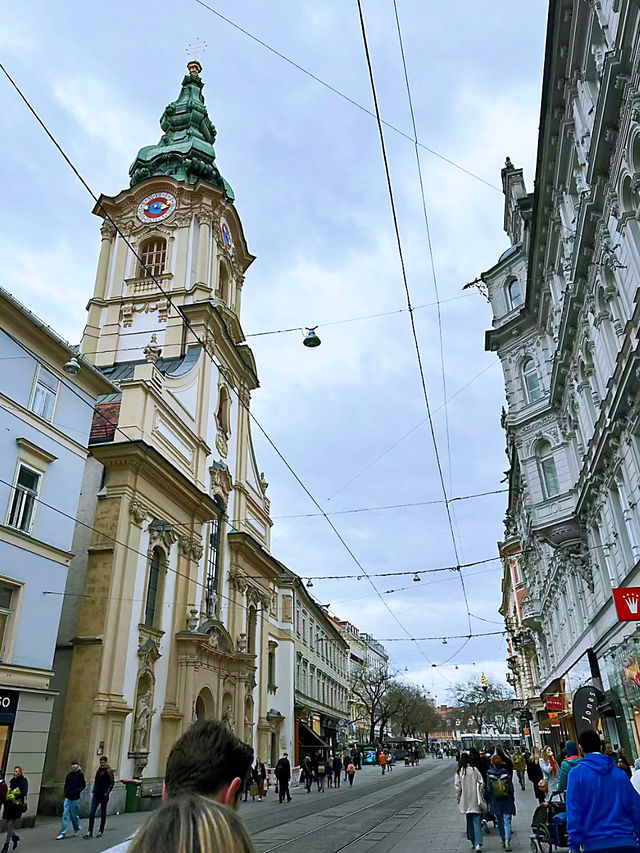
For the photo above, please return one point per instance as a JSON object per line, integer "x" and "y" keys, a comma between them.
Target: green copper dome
{"x": 185, "y": 151}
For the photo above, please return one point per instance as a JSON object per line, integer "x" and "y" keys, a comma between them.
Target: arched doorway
{"x": 204, "y": 709}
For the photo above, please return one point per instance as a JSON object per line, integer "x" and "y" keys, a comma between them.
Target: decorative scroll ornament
{"x": 138, "y": 511}
{"x": 162, "y": 531}
{"x": 190, "y": 546}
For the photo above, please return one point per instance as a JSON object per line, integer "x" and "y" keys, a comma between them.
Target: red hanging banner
{"x": 554, "y": 703}
{"x": 627, "y": 600}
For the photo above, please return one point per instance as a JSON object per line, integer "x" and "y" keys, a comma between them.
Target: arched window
{"x": 547, "y": 468}
{"x": 222, "y": 291}
{"x": 153, "y": 588}
{"x": 153, "y": 255}
{"x": 514, "y": 292}
{"x": 223, "y": 414}
{"x": 531, "y": 380}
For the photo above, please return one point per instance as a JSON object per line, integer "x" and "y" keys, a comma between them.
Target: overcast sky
{"x": 307, "y": 172}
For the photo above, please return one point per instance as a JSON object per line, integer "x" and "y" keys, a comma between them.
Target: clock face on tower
{"x": 226, "y": 235}
{"x": 156, "y": 207}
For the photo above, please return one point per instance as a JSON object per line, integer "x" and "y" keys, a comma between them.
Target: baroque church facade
{"x": 170, "y": 591}
{"x": 566, "y": 322}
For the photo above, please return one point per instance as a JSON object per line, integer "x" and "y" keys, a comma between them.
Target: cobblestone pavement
{"x": 409, "y": 810}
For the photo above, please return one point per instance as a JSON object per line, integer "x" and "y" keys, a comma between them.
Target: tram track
{"x": 402, "y": 797}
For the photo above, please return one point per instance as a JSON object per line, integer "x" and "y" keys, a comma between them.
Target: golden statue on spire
{"x": 195, "y": 50}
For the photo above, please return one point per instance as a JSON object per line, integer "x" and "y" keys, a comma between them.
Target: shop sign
{"x": 526, "y": 732}
{"x": 553, "y": 718}
{"x": 8, "y": 705}
{"x": 631, "y": 671}
{"x": 586, "y": 713}
{"x": 554, "y": 703}
{"x": 627, "y": 600}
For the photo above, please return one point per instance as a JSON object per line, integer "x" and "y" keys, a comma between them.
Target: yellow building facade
{"x": 172, "y": 582}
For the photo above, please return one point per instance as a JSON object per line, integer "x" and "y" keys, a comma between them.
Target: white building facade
{"x": 45, "y": 418}
{"x": 565, "y": 327}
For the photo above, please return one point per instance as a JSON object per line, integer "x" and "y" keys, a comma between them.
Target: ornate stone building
{"x": 172, "y": 583}
{"x": 565, "y": 327}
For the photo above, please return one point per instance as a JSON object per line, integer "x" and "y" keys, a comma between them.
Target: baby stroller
{"x": 549, "y": 825}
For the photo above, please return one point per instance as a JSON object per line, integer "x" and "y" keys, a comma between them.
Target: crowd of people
{"x": 592, "y": 793}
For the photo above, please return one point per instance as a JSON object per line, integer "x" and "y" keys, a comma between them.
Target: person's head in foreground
{"x": 590, "y": 741}
{"x": 192, "y": 823}
{"x": 210, "y": 760}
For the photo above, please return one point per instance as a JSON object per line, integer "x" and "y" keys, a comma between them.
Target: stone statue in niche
{"x": 142, "y": 722}
{"x": 228, "y": 717}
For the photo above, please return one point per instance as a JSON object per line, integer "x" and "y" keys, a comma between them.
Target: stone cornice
{"x": 34, "y": 546}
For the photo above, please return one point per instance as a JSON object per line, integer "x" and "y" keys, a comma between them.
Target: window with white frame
{"x": 45, "y": 391}
{"x": 8, "y": 602}
{"x": 514, "y": 292}
{"x": 548, "y": 470}
{"x": 531, "y": 380}
{"x": 22, "y": 505}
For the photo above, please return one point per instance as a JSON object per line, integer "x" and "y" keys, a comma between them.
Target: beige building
{"x": 364, "y": 651}
{"x": 176, "y": 578}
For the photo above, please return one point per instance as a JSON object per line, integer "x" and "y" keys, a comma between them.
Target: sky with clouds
{"x": 307, "y": 171}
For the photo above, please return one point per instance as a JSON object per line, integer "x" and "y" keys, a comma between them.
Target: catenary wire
{"x": 405, "y": 282}
{"x": 340, "y": 94}
{"x": 390, "y": 506}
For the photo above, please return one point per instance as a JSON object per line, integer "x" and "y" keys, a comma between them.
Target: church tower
{"x": 170, "y": 591}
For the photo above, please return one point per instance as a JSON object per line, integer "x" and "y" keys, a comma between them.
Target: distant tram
{"x": 481, "y": 741}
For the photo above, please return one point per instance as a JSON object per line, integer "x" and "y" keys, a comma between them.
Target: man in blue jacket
{"x": 603, "y": 807}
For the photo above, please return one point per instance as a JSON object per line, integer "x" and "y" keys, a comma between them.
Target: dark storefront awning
{"x": 309, "y": 738}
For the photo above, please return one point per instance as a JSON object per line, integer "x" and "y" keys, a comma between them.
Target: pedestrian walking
{"x": 382, "y": 761}
{"x": 572, "y": 757}
{"x": 307, "y": 769}
{"x": 321, "y": 774}
{"x": 337, "y": 769}
{"x": 192, "y": 823}
{"x": 74, "y": 785}
{"x": 102, "y": 788}
{"x": 549, "y": 769}
{"x": 501, "y": 797}
{"x": 623, "y": 764}
{"x": 635, "y": 776}
{"x": 346, "y": 761}
{"x": 247, "y": 782}
{"x": 15, "y": 805}
{"x": 534, "y": 772}
{"x": 283, "y": 775}
{"x": 329, "y": 771}
{"x": 603, "y": 807}
{"x": 519, "y": 765}
{"x": 470, "y": 794}
{"x": 260, "y": 774}
{"x": 389, "y": 761}
{"x": 351, "y": 772}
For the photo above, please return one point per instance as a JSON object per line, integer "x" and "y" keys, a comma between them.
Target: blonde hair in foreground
{"x": 192, "y": 824}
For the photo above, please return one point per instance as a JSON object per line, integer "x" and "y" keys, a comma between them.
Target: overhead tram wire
{"x": 341, "y": 94}
{"x": 431, "y": 258}
{"x": 408, "y": 296}
{"x": 188, "y": 325}
{"x": 389, "y": 506}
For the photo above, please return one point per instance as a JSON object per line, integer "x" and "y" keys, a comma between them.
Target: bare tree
{"x": 369, "y": 687}
{"x": 483, "y": 706}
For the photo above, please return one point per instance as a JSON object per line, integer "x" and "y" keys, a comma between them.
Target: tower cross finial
{"x": 195, "y": 51}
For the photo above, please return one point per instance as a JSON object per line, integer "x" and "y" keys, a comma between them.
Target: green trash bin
{"x": 132, "y": 799}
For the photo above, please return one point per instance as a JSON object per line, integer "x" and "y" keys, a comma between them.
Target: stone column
{"x": 108, "y": 232}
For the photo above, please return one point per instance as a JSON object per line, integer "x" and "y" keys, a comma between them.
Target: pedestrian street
{"x": 408, "y": 810}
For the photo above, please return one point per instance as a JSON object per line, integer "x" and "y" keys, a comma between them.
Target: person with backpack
{"x": 469, "y": 788}
{"x": 603, "y": 807}
{"x": 572, "y": 757}
{"x": 74, "y": 785}
{"x": 382, "y": 761}
{"x": 283, "y": 775}
{"x": 351, "y": 772}
{"x": 502, "y": 803}
{"x": 519, "y": 765}
{"x": 15, "y": 805}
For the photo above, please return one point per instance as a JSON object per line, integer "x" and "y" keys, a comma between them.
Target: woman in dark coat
{"x": 535, "y": 774}
{"x": 15, "y": 806}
